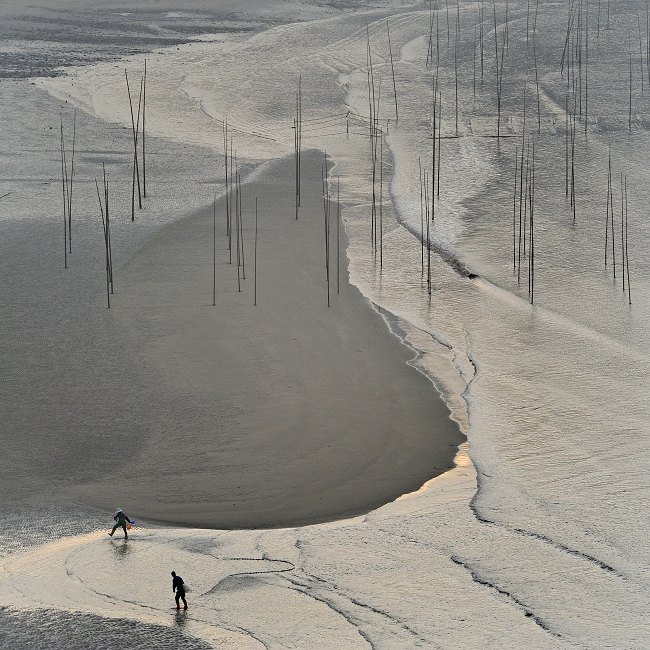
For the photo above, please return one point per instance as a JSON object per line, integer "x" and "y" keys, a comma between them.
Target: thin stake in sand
{"x": 65, "y": 202}
{"x": 71, "y": 179}
{"x": 381, "y": 203}
{"x": 421, "y": 219}
{"x": 135, "y": 128}
{"x": 514, "y": 214}
{"x": 607, "y": 201}
{"x": 214, "y": 252}
{"x": 237, "y": 199}
{"x": 107, "y": 237}
{"x": 622, "y": 231}
{"x": 326, "y": 214}
{"x": 627, "y": 256}
{"x": 297, "y": 141}
{"x": 338, "y": 226}
{"x": 108, "y": 228}
{"x": 227, "y": 195}
{"x": 255, "y": 260}
{"x": 144, "y": 108}
{"x": 392, "y": 68}
{"x": 241, "y": 228}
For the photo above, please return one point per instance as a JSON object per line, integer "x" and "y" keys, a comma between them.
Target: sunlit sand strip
{"x": 130, "y": 580}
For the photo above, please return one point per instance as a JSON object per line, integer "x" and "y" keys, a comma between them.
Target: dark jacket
{"x": 121, "y": 518}
{"x": 178, "y": 585}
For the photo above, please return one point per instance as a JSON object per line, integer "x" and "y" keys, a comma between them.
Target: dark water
{"x": 57, "y": 630}
{"x": 39, "y": 38}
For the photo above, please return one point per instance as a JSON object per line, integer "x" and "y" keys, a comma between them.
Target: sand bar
{"x": 283, "y": 413}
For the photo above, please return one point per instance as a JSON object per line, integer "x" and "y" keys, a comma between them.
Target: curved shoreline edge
{"x": 316, "y": 405}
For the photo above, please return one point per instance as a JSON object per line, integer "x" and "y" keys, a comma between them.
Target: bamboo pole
{"x": 227, "y": 194}
{"x": 522, "y": 199}
{"x": 324, "y": 173}
{"x": 426, "y": 189}
{"x": 105, "y": 231}
{"x": 74, "y": 138}
{"x": 539, "y": 116}
{"x": 566, "y": 146}
{"x": 231, "y": 198}
{"x": 481, "y": 36}
{"x": 392, "y": 68}
{"x": 237, "y": 231}
{"x": 214, "y": 252}
{"x": 514, "y": 214}
{"x": 530, "y": 214}
{"x": 447, "y": 5}
{"x": 108, "y": 228}
{"x": 144, "y": 108}
{"x": 299, "y": 139}
{"x": 627, "y": 256}
{"x": 241, "y": 228}
{"x": 135, "y": 146}
{"x": 439, "y": 142}
{"x": 338, "y": 226}
{"x": 613, "y": 231}
{"x": 586, "y": 65}
{"x": 496, "y": 55}
{"x": 526, "y": 199}
{"x": 430, "y": 44}
{"x": 421, "y": 220}
{"x": 532, "y": 232}
{"x": 609, "y": 189}
{"x": 65, "y": 203}
{"x": 433, "y": 146}
{"x": 381, "y": 203}
{"x": 135, "y": 158}
{"x": 255, "y": 259}
{"x": 456, "y": 78}
{"x": 622, "y": 232}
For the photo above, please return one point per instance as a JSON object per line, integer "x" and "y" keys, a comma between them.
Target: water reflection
{"x": 120, "y": 548}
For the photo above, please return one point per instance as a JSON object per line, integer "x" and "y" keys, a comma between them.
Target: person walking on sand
{"x": 121, "y": 519}
{"x": 179, "y": 587}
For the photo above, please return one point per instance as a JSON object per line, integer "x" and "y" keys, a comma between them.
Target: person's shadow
{"x": 180, "y": 617}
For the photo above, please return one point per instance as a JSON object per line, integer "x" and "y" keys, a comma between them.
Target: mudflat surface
{"x": 277, "y": 414}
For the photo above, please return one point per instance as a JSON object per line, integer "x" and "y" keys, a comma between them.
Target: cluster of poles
{"x": 574, "y": 61}
{"x": 376, "y": 135}
{"x": 67, "y": 181}
{"x": 68, "y": 175}
{"x": 523, "y": 204}
{"x": 138, "y": 129}
{"x": 106, "y": 227}
{"x": 610, "y": 229}
{"x": 430, "y": 181}
{"x": 234, "y": 208}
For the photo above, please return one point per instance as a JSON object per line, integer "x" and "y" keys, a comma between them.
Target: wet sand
{"x": 307, "y": 413}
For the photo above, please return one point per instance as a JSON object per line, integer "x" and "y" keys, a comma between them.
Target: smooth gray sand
{"x": 307, "y": 413}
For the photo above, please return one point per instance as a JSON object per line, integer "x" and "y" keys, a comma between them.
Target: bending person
{"x": 179, "y": 587}
{"x": 121, "y": 519}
